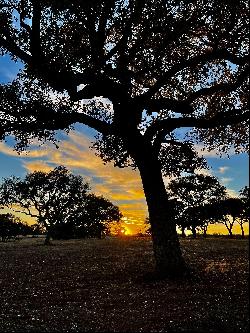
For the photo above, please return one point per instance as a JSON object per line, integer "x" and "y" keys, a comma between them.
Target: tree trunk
{"x": 47, "y": 238}
{"x": 242, "y": 230}
{"x": 205, "y": 231}
{"x": 193, "y": 227}
{"x": 169, "y": 261}
{"x": 183, "y": 235}
{"x": 168, "y": 257}
{"x": 230, "y": 233}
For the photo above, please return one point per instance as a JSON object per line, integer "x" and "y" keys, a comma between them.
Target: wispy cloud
{"x": 7, "y": 74}
{"x": 223, "y": 169}
{"x": 226, "y": 180}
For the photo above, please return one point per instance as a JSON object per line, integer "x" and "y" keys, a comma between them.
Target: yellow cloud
{"x": 29, "y": 154}
{"x": 37, "y": 166}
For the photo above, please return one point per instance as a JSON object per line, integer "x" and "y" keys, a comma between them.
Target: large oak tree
{"x": 160, "y": 65}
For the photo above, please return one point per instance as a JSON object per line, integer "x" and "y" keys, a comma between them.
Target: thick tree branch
{"x": 221, "y": 87}
{"x": 15, "y": 50}
{"x": 135, "y": 16}
{"x": 35, "y": 40}
{"x": 155, "y": 105}
{"x": 53, "y": 121}
{"x": 100, "y": 87}
{"x": 98, "y": 125}
{"x": 21, "y": 211}
{"x": 22, "y": 17}
{"x": 219, "y": 54}
{"x": 184, "y": 107}
{"x": 231, "y": 117}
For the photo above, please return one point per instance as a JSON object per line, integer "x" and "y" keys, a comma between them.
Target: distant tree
{"x": 92, "y": 219}
{"x": 232, "y": 209}
{"x": 244, "y": 218}
{"x": 160, "y": 65}
{"x": 177, "y": 208}
{"x": 195, "y": 194}
{"x": 98, "y": 214}
{"x": 49, "y": 197}
{"x": 205, "y": 214}
{"x": 12, "y": 226}
{"x": 60, "y": 202}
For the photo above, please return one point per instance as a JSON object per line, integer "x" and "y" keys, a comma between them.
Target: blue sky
{"x": 123, "y": 187}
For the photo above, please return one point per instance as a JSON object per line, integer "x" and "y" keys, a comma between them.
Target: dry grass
{"x": 96, "y": 285}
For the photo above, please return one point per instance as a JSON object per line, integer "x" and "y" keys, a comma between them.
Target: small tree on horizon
{"x": 92, "y": 220}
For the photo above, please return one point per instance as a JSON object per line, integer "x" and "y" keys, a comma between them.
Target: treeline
{"x": 200, "y": 200}
{"x": 61, "y": 203}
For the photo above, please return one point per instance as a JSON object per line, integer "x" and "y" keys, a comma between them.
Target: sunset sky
{"x": 122, "y": 186}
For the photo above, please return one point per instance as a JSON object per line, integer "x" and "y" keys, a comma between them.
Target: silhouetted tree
{"x": 92, "y": 219}
{"x": 37, "y": 229}
{"x": 161, "y": 65}
{"x": 99, "y": 213}
{"x": 244, "y": 218}
{"x": 197, "y": 194}
{"x": 12, "y": 226}
{"x": 49, "y": 197}
{"x": 232, "y": 209}
{"x": 60, "y": 202}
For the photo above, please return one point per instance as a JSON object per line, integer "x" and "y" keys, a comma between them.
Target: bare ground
{"x": 97, "y": 286}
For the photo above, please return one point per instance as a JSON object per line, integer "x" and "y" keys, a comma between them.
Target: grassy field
{"x": 97, "y": 285}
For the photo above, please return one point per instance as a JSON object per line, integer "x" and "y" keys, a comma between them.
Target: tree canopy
{"x": 152, "y": 59}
